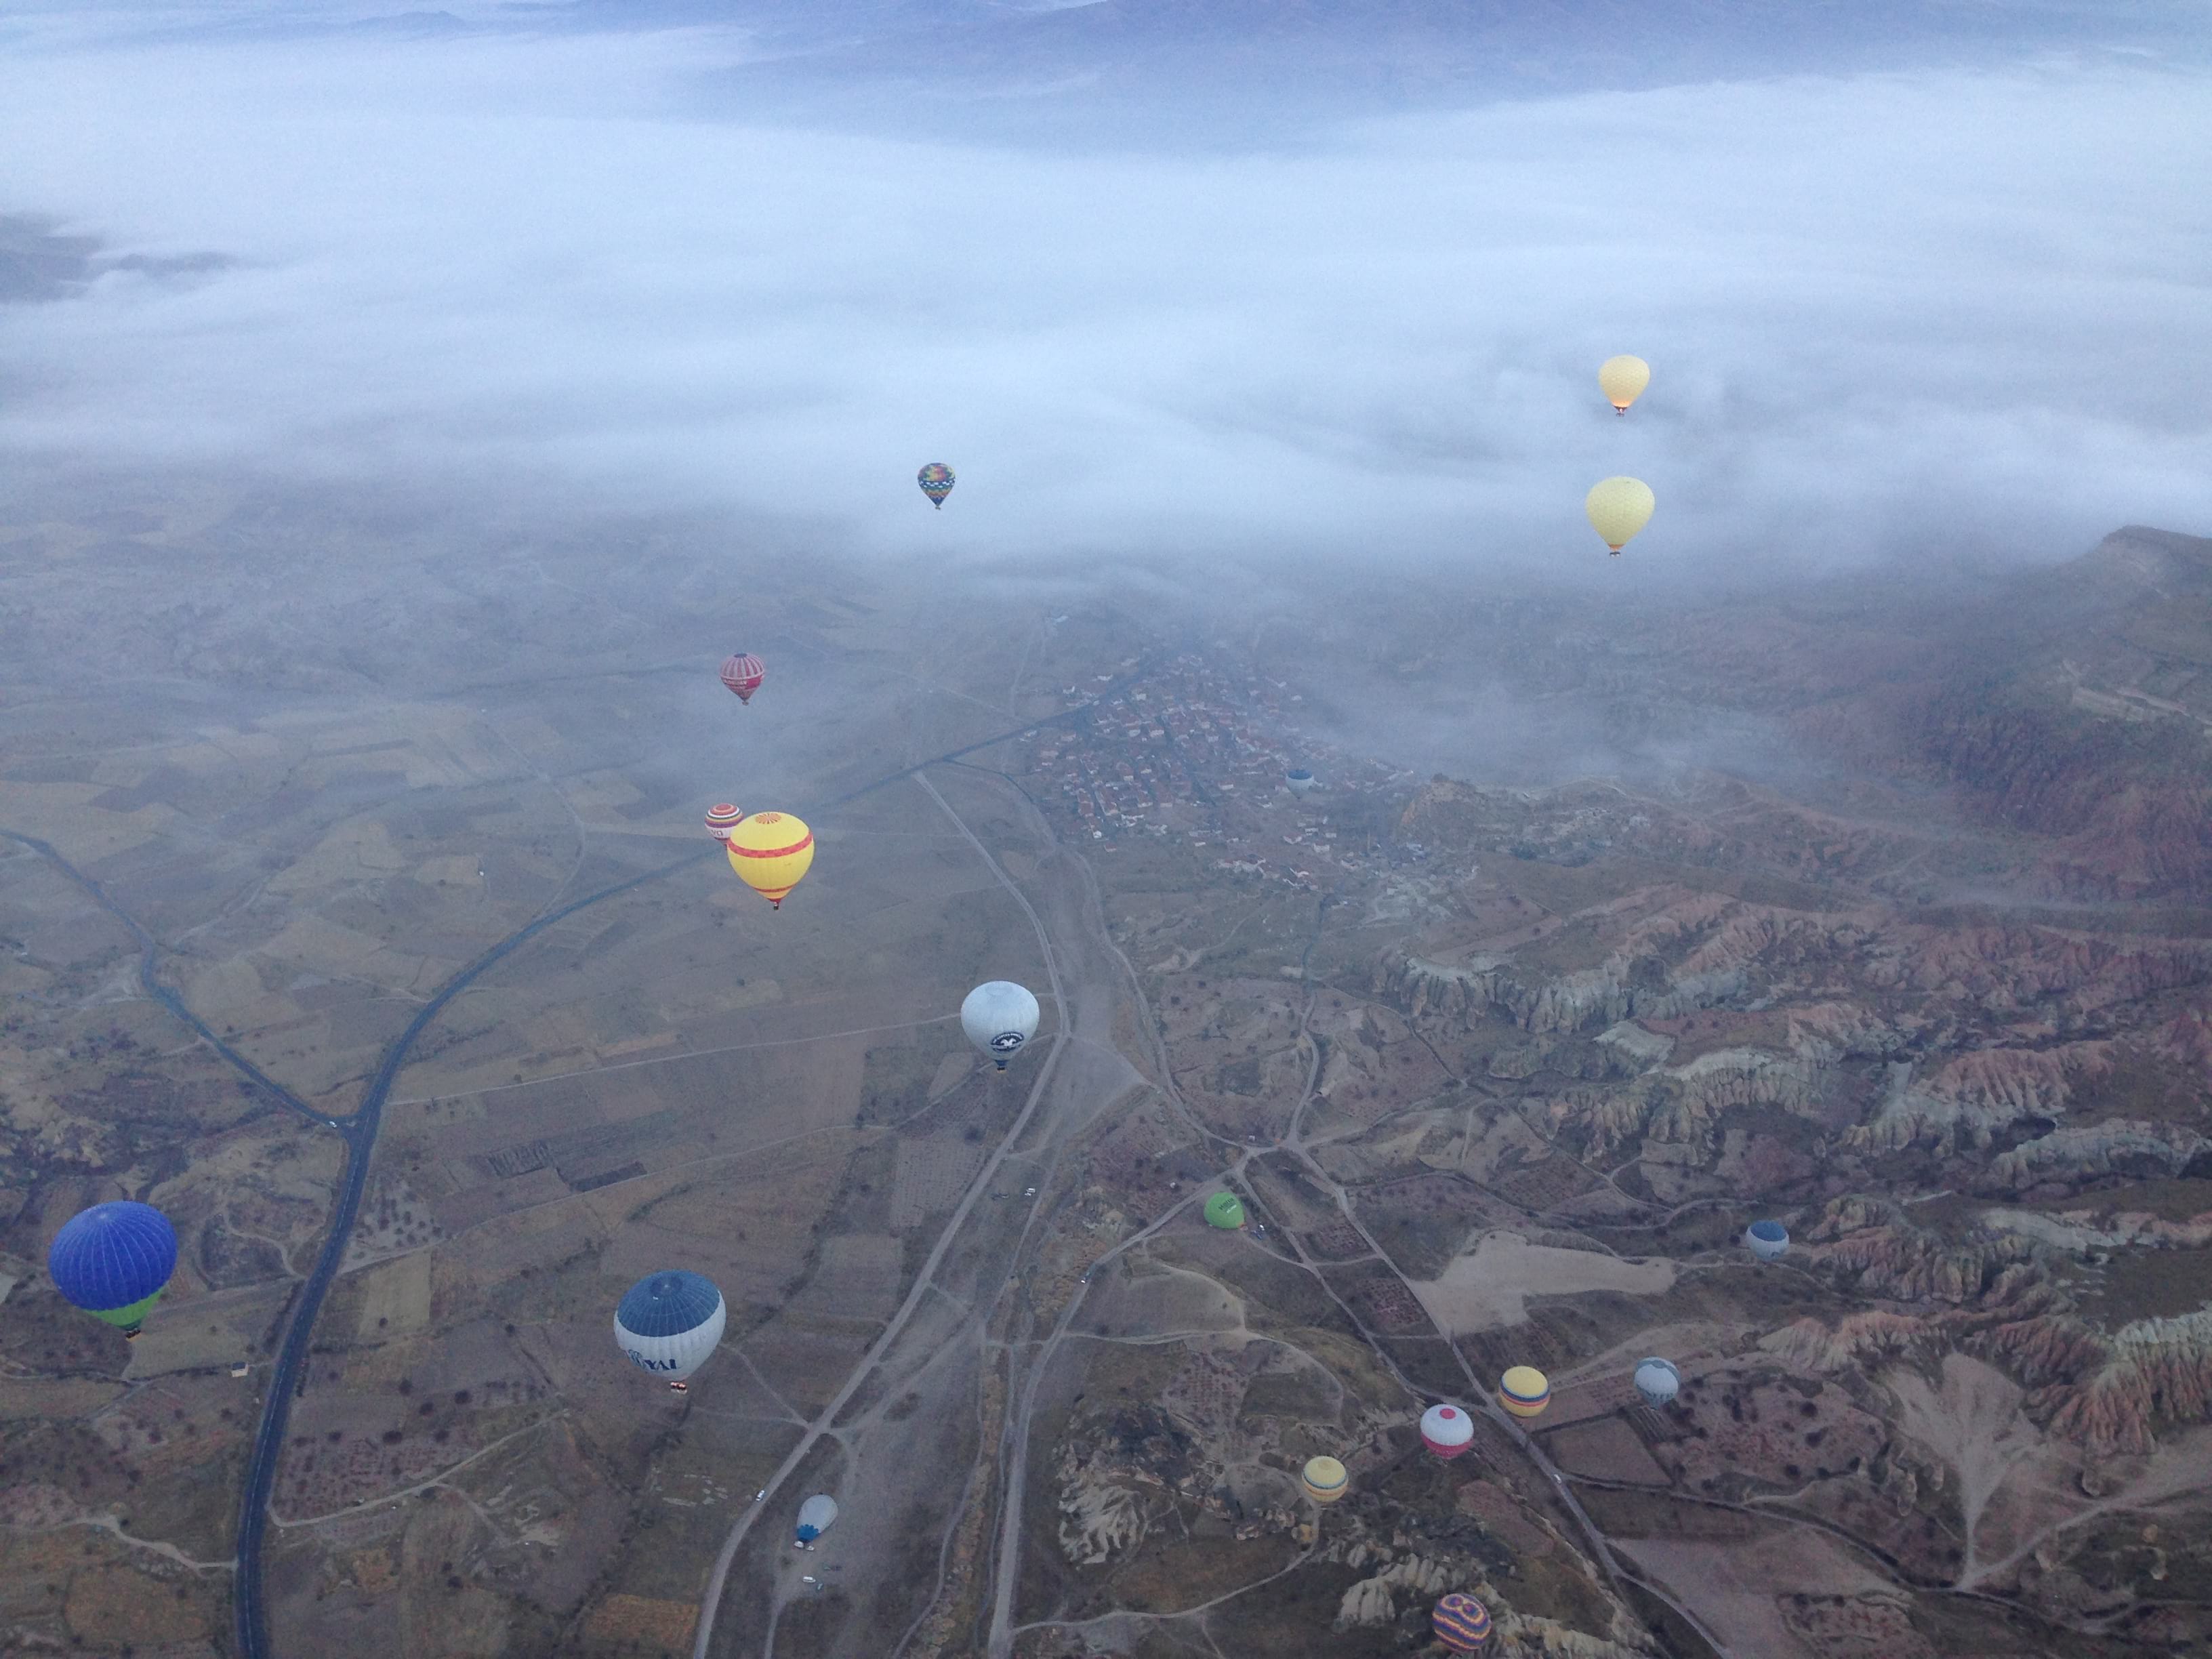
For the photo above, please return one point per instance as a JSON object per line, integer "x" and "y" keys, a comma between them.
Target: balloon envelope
{"x": 114, "y": 1260}
{"x": 743, "y": 673}
{"x": 1461, "y": 1623}
{"x": 1446, "y": 1431}
{"x": 1224, "y": 1210}
{"x": 1300, "y": 779}
{"x": 814, "y": 1516}
{"x": 1324, "y": 1479}
{"x": 1658, "y": 1380}
{"x": 722, "y": 818}
{"x": 1767, "y": 1240}
{"x": 770, "y": 851}
{"x": 936, "y": 482}
{"x": 1524, "y": 1391}
{"x": 1622, "y": 379}
{"x": 669, "y": 1322}
{"x": 998, "y": 1018}
{"x": 1618, "y": 508}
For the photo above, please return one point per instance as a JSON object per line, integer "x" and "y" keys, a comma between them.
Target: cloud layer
{"x": 1886, "y": 315}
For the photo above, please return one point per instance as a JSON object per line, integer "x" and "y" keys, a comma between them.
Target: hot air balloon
{"x": 1301, "y": 780}
{"x": 1658, "y": 1380}
{"x": 1446, "y": 1431}
{"x": 1767, "y": 1240}
{"x": 1621, "y": 378}
{"x": 1524, "y": 1391}
{"x": 1324, "y": 1479}
{"x": 1461, "y": 1622}
{"x": 816, "y": 1516}
{"x": 113, "y": 1261}
{"x": 721, "y": 818}
{"x": 743, "y": 674}
{"x": 669, "y": 1322}
{"x": 770, "y": 851}
{"x": 1224, "y": 1210}
{"x": 998, "y": 1018}
{"x": 936, "y": 482}
{"x": 1618, "y": 508}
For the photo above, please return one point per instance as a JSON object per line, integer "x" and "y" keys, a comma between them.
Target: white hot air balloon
{"x": 669, "y": 1322}
{"x": 1767, "y": 1240}
{"x": 1658, "y": 1380}
{"x": 815, "y": 1516}
{"x": 1446, "y": 1431}
{"x": 999, "y": 1017}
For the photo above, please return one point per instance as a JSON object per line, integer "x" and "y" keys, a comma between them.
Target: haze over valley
{"x": 402, "y": 417}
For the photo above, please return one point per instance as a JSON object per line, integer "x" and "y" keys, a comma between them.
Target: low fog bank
{"x": 1231, "y": 75}
{"x": 1922, "y": 315}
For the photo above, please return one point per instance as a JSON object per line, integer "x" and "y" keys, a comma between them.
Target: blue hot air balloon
{"x": 113, "y": 1260}
{"x": 815, "y": 1516}
{"x": 669, "y": 1322}
{"x": 1767, "y": 1240}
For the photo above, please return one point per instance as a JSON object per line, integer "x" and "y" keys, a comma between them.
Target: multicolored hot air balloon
{"x": 669, "y": 1322}
{"x": 998, "y": 1018}
{"x": 1658, "y": 1380}
{"x": 1446, "y": 1431}
{"x": 1461, "y": 1622}
{"x": 1622, "y": 380}
{"x": 722, "y": 818}
{"x": 1767, "y": 1240}
{"x": 1224, "y": 1210}
{"x": 770, "y": 851}
{"x": 816, "y": 1516}
{"x": 936, "y": 482}
{"x": 1325, "y": 1480}
{"x": 1524, "y": 1391}
{"x": 743, "y": 674}
{"x": 1618, "y": 508}
{"x": 1300, "y": 779}
{"x": 113, "y": 1260}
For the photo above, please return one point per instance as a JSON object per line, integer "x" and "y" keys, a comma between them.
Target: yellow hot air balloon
{"x": 770, "y": 851}
{"x": 1621, "y": 378}
{"x": 1618, "y": 508}
{"x": 1524, "y": 1391}
{"x": 1325, "y": 1480}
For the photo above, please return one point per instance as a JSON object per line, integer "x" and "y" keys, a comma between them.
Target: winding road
{"x": 359, "y": 1132}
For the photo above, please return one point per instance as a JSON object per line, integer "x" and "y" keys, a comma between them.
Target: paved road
{"x": 359, "y": 1131}
{"x": 287, "y": 1377}
{"x": 149, "y": 959}
{"x": 925, "y": 1282}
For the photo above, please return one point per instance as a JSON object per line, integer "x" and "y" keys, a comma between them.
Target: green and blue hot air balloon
{"x": 113, "y": 1260}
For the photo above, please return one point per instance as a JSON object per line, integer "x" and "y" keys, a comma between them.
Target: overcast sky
{"x": 1949, "y": 308}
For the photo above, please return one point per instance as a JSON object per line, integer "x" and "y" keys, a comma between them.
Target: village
{"x": 1196, "y": 752}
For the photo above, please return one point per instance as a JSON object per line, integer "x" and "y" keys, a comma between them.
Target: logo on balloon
{"x": 1005, "y": 1042}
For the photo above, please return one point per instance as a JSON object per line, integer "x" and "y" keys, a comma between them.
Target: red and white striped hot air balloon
{"x": 743, "y": 674}
{"x": 721, "y": 818}
{"x": 1446, "y": 1431}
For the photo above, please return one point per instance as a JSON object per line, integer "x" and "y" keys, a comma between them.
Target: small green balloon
{"x": 1224, "y": 1210}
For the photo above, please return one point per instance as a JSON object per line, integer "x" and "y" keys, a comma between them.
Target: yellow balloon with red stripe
{"x": 1524, "y": 1391}
{"x": 770, "y": 851}
{"x": 1325, "y": 1480}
